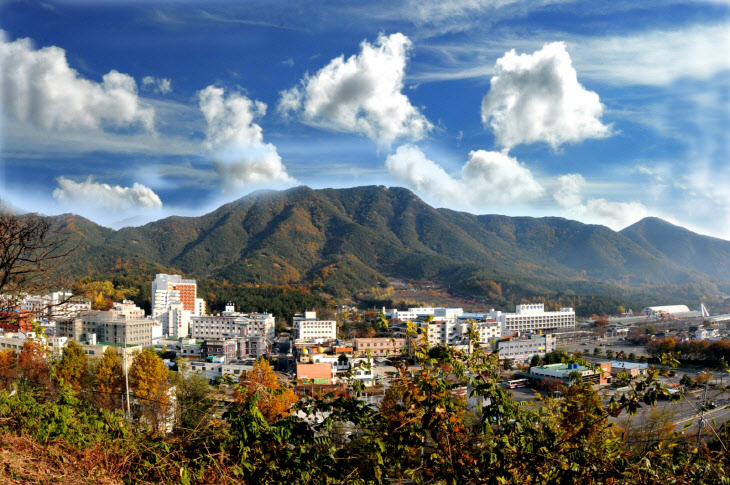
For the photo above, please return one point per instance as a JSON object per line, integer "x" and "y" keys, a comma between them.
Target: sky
{"x": 602, "y": 112}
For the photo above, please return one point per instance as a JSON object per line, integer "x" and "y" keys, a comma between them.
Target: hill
{"x": 345, "y": 240}
{"x": 700, "y": 253}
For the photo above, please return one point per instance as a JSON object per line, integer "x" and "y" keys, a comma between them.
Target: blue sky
{"x": 604, "y": 112}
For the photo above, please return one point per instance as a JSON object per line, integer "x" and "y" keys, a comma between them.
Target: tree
{"x": 610, "y": 354}
{"x": 109, "y": 381}
{"x": 508, "y": 364}
{"x": 262, "y": 386}
{"x": 687, "y": 381}
{"x": 597, "y": 351}
{"x": 72, "y": 368}
{"x": 632, "y": 356}
{"x": 148, "y": 380}
{"x": 576, "y": 378}
{"x": 8, "y": 368}
{"x": 623, "y": 379}
{"x": 32, "y": 258}
{"x": 194, "y": 399}
{"x": 33, "y": 364}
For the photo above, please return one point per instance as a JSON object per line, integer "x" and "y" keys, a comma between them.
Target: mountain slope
{"x": 344, "y": 240}
{"x": 700, "y": 253}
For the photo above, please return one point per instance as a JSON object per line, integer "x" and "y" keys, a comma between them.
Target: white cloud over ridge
{"x": 361, "y": 94}
{"x": 236, "y": 143}
{"x": 487, "y": 179}
{"x": 615, "y": 215}
{"x": 104, "y": 196}
{"x": 537, "y": 98}
{"x": 40, "y": 87}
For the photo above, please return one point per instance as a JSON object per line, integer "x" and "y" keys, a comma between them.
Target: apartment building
{"x": 522, "y": 348}
{"x": 533, "y": 317}
{"x": 308, "y": 327}
{"x": 168, "y": 289}
{"x": 109, "y": 327}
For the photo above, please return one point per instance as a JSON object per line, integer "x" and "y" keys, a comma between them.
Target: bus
{"x": 515, "y": 383}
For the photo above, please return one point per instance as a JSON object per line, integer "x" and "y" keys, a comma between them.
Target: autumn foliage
{"x": 261, "y": 382}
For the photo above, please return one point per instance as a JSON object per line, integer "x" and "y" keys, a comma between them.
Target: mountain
{"x": 703, "y": 254}
{"x": 345, "y": 240}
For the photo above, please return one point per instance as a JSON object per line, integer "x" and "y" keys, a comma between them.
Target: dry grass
{"x": 24, "y": 461}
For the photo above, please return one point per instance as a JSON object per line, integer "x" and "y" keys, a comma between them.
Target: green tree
{"x": 195, "y": 400}
{"x": 73, "y": 367}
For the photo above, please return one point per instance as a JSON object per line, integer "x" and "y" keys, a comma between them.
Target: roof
{"x": 668, "y": 309}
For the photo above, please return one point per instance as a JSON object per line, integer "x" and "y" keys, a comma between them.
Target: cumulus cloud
{"x": 236, "y": 143}
{"x": 615, "y": 215}
{"x": 40, "y": 87}
{"x": 361, "y": 94}
{"x": 537, "y": 98}
{"x": 487, "y": 178}
{"x": 159, "y": 85}
{"x": 104, "y": 196}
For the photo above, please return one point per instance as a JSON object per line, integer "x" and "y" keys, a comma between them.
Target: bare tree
{"x": 32, "y": 262}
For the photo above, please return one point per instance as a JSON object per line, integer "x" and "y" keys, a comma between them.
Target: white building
{"x": 456, "y": 332}
{"x": 357, "y": 367}
{"x": 233, "y": 325}
{"x": 533, "y": 317}
{"x": 439, "y": 313}
{"x": 175, "y": 320}
{"x": 308, "y": 327}
{"x": 523, "y": 348}
{"x": 168, "y": 289}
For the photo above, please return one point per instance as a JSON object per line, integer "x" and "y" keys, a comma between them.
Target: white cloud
{"x": 537, "y": 98}
{"x": 105, "y": 196}
{"x": 236, "y": 143}
{"x": 487, "y": 179}
{"x": 361, "y": 94}
{"x": 159, "y": 85}
{"x": 39, "y": 86}
{"x": 657, "y": 57}
{"x": 615, "y": 215}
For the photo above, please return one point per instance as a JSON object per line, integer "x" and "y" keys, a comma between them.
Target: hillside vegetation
{"x": 341, "y": 241}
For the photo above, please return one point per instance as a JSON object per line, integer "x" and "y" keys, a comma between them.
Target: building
{"x": 379, "y": 347}
{"x": 521, "y": 349}
{"x": 308, "y": 327}
{"x": 563, "y": 372}
{"x": 128, "y": 309}
{"x": 632, "y": 368}
{"x": 175, "y": 320}
{"x": 456, "y": 331}
{"x": 533, "y": 317}
{"x": 110, "y": 327}
{"x": 168, "y": 289}
{"x": 16, "y": 320}
{"x": 219, "y": 350}
{"x": 230, "y": 324}
{"x": 319, "y": 373}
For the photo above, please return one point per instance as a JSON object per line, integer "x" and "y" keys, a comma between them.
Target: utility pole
{"x": 126, "y": 376}
{"x": 701, "y": 422}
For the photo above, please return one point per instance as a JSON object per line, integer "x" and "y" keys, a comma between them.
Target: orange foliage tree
{"x": 33, "y": 365}
{"x": 274, "y": 402}
{"x": 8, "y": 368}
{"x": 148, "y": 380}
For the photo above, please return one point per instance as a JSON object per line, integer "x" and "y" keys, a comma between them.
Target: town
{"x": 316, "y": 355}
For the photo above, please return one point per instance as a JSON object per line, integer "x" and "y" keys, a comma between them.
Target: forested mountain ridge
{"x": 344, "y": 240}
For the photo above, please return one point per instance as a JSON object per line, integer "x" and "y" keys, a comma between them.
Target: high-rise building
{"x": 168, "y": 289}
